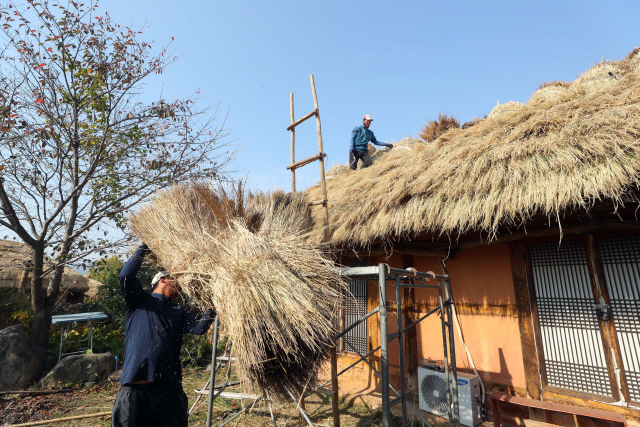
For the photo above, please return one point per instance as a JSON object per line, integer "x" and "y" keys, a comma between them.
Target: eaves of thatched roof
{"x": 569, "y": 147}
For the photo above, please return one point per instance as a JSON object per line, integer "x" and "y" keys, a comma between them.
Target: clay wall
{"x": 482, "y": 287}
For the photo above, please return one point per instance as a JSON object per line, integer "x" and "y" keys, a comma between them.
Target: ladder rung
{"x": 217, "y": 387}
{"x": 318, "y": 202}
{"x": 306, "y": 161}
{"x": 300, "y": 120}
{"x": 230, "y": 395}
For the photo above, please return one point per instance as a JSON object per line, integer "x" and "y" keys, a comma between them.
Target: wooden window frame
{"x": 535, "y": 371}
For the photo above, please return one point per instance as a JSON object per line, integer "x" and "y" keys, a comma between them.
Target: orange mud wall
{"x": 483, "y": 291}
{"x": 482, "y": 288}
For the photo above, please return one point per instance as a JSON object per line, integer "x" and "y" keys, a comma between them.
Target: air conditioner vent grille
{"x": 434, "y": 392}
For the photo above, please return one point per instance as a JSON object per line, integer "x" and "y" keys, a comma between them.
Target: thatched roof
{"x": 12, "y": 258}
{"x": 568, "y": 147}
{"x": 13, "y": 255}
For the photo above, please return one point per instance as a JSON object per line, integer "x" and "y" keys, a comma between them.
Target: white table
{"x": 66, "y": 320}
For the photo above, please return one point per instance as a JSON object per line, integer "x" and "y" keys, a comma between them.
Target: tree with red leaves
{"x": 79, "y": 148}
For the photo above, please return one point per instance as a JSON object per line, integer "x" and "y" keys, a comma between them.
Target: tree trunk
{"x": 24, "y": 279}
{"x": 41, "y": 304}
{"x": 42, "y": 326}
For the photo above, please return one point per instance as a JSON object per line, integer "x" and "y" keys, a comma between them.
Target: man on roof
{"x": 360, "y": 138}
{"x": 151, "y": 393}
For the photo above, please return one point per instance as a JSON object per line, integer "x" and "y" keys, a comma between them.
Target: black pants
{"x": 357, "y": 155}
{"x": 154, "y": 404}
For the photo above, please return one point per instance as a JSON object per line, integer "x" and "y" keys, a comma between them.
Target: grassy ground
{"x": 21, "y": 409}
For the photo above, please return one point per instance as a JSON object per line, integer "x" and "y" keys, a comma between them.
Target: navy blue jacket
{"x": 153, "y": 329}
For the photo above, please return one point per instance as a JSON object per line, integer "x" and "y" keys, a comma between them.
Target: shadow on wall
{"x": 505, "y": 375}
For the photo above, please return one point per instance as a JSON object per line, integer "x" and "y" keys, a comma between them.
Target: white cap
{"x": 161, "y": 275}
{"x": 367, "y": 117}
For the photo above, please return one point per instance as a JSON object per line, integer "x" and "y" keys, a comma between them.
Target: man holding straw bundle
{"x": 360, "y": 138}
{"x": 151, "y": 392}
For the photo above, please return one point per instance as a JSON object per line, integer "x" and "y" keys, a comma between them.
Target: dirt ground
{"x": 15, "y": 409}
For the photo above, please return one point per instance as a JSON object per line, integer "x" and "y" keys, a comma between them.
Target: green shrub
{"x": 106, "y": 339}
{"x": 15, "y": 309}
{"x": 196, "y": 350}
{"x": 23, "y": 317}
{"x": 107, "y": 271}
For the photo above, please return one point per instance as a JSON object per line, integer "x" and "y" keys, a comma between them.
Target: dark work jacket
{"x": 153, "y": 329}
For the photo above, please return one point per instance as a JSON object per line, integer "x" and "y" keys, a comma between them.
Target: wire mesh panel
{"x": 572, "y": 344}
{"x": 355, "y": 307}
{"x": 621, "y": 266}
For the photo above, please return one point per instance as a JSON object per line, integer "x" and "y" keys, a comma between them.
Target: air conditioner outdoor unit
{"x": 433, "y": 395}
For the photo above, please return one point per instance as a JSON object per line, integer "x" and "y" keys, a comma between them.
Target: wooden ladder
{"x": 320, "y": 157}
{"x": 325, "y": 207}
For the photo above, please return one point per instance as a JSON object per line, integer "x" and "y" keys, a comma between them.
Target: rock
{"x": 21, "y": 362}
{"x": 79, "y": 368}
{"x": 114, "y": 377}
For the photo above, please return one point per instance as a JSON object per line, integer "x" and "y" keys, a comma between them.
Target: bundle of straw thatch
{"x": 507, "y": 107}
{"x": 336, "y": 170}
{"x": 275, "y": 293}
{"x": 560, "y": 152}
{"x": 436, "y": 127}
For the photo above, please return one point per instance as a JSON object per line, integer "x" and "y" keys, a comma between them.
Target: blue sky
{"x": 401, "y": 62}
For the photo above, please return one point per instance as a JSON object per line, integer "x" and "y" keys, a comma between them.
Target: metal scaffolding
{"x": 382, "y": 274}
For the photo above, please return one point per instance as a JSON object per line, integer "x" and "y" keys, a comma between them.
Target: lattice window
{"x": 552, "y": 254}
{"x": 621, "y": 267}
{"x": 573, "y": 352}
{"x": 622, "y": 250}
{"x": 575, "y": 376}
{"x": 567, "y": 313}
{"x": 355, "y": 306}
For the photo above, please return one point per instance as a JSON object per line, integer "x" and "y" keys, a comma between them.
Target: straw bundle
{"x": 407, "y": 144}
{"x": 507, "y": 107}
{"x": 276, "y": 294}
{"x": 473, "y": 122}
{"x": 336, "y": 170}
{"x": 540, "y": 159}
{"x": 550, "y": 92}
{"x": 633, "y": 60}
{"x": 436, "y": 127}
{"x": 598, "y": 77}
